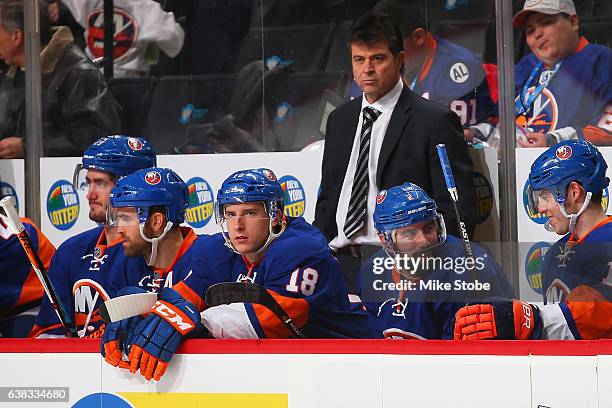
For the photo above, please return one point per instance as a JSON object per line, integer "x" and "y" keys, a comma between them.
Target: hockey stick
{"x": 452, "y": 190}
{"x": 236, "y": 292}
{"x": 123, "y": 307}
{"x": 9, "y": 209}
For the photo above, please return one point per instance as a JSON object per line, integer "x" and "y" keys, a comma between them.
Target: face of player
{"x": 551, "y": 37}
{"x": 10, "y": 49}
{"x": 417, "y": 237}
{"x": 128, "y": 227}
{"x": 248, "y": 226}
{"x": 375, "y": 69}
{"x": 99, "y": 186}
{"x": 548, "y": 206}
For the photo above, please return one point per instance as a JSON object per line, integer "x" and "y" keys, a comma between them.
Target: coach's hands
{"x": 157, "y": 337}
{"x": 498, "y": 318}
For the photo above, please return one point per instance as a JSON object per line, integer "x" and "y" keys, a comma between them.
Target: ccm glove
{"x": 118, "y": 335}
{"x": 498, "y": 318}
{"x": 158, "y": 336}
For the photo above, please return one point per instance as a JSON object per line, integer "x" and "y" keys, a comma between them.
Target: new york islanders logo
{"x": 135, "y": 144}
{"x": 124, "y": 36}
{"x": 544, "y": 113}
{"x": 6, "y": 190}
{"x": 269, "y": 174}
{"x": 152, "y": 178}
{"x": 295, "y": 198}
{"x": 563, "y": 152}
{"x": 200, "y": 204}
{"x": 381, "y": 196}
{"x": 533, "y": 265}
{"x": 62, "y": 205}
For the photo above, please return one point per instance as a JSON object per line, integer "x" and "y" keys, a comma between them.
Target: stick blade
{"x": 123, "y": 307}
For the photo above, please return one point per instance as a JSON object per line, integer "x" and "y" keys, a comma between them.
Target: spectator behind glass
{"x": 564, "y": 88}
{"x": 437, "y": 69}
{"x": 141, "y": 28}
{"x": 77, "y": 108}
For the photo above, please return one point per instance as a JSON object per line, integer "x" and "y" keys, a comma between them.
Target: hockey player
{"x": 20, "y": 290}
{"x": 141, "y": 28}
{"x": 413, "y": 287}
{"x": 258, "y": 244}
{"x": 147, "y": 208}
{"x": 439, "y": 70}
{"x": 564, "y": 88}
{"x": 566, "y": 184}
{"x": 80, "y": 270}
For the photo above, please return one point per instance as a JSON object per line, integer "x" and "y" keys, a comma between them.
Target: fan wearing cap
{"x": 81, "y": 269}
{"x": 412, "y": 288}
{"x": 564, "y": 87}
{"x": 566, "y": 184}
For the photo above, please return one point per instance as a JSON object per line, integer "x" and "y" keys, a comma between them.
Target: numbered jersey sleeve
{"x": 19, "y": 286}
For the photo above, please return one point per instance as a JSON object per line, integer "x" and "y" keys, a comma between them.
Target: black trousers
{"x": 351, "y": 259}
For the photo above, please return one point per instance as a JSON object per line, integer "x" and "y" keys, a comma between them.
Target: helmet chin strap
{"x": 572, "y": 217}
{"x": 271, "y": 237}
{"x": 154, "y": 241}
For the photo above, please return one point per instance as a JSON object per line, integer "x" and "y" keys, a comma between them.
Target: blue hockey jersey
{"x": 85, "y": 281}
{"x": 300, "y": 273}
{"x": 425, "y": 308}
{"x": 20, "y": 289}
{"x": 586, "y": 262}
{"x": 576, "y": 94}
{"x": 455, "y": 78}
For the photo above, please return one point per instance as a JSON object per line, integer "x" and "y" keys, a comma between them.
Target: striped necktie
{"x": 358, "y": 205}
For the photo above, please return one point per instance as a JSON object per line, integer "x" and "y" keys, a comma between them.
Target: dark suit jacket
{"x": 408, "y": 154}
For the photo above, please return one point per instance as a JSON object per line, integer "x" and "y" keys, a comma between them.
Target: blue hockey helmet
{"x": 557, "y": 167}
{"x": 147, "y": 188}
{"x": 247, "y": 186}
{"x": 404, "y": 206}
{"x": 117, "y": 155}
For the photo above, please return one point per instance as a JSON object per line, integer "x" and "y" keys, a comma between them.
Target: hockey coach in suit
{"x": 385, "y": 138}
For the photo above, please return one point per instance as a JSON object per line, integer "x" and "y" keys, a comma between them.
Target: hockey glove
{"x": 118, "y": 335}
{"x": 498, "y": 318}
{"x": 158, "y": 336}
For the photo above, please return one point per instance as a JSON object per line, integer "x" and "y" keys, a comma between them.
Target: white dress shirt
{"x": 368, "y": 234}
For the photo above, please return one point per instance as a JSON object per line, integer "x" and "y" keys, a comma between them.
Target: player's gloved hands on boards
{"x": 498, "y": 318}
{"x": 158, "y": 336}
{"x": 118, "y": 335}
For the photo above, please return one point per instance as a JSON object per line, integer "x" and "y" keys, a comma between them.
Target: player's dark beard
{"x": 98, "y": 217}
{"x": 138, "y": 248}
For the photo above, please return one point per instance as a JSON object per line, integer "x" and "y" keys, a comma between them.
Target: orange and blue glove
{"x": 118, "y": 335}
{"x": 498, "y": 318}
{"x": 157, "y": 337}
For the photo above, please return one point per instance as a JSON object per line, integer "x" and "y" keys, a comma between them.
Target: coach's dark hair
{"x": 406, "y": 15}
{"x": 12, "y": 18}
{"x": 373, "y": 27}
